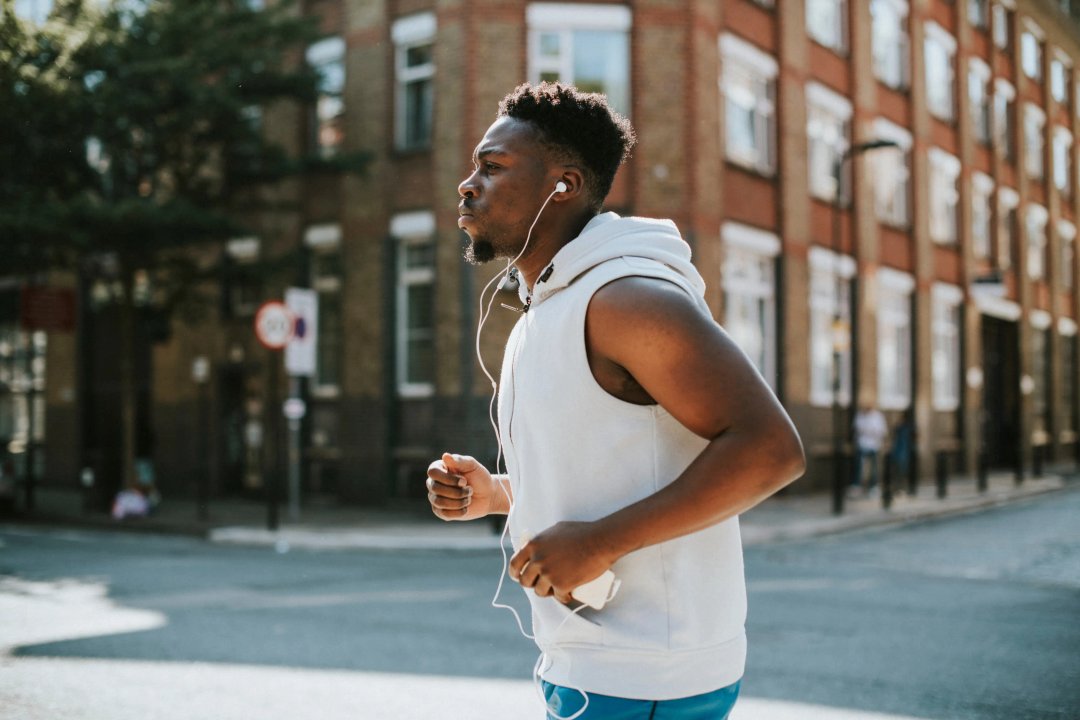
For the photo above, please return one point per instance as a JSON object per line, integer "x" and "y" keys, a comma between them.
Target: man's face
{"x": 507, "y": 187}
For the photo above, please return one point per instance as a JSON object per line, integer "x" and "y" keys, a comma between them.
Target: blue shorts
{"x": 564, "y": 702}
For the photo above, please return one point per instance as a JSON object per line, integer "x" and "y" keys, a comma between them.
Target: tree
{"x": 133, "y": 140}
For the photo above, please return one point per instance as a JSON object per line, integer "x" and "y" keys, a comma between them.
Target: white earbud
{"x": 560, "y": 186}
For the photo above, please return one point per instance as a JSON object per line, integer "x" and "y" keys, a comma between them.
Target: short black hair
{"x": 578, "y": 126}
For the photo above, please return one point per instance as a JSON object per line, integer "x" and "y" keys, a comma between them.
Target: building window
{"x": 891, "y": 175}
{"x": 243, "y": 282}
{"x": 1031, "y": 50}
{"x": 890, "y": 41}
{"x": 894, "y": 338}
{"x": 750, "y": 294}
{"x": 415, "y": 317}
{"x": 945, "y": 358}
{"x": 830, "y": 297}
{"x": 1035, "y": 226}
{"x": 23, "y": 357}
{"x": 1005, "y": 118}
{"x": 979, "y": 95}
{"x": 1002, "y": 19}
{"x": 979, "y": 13}
{"x": 414, "y": 52}
{"x": 583, "y": 44}
{"x": 827, "y": 117}
{"x": 327, "y": 58}
{"x": 826, "y": 22}
{"x": 944, "y": 196}
{"x": 1067, "y": 247}
{"x": 939, "y": 50}
{"x": 1060, "y": 77}
{"x": 1062, "y": 159}
{"x": 982, "y": 191}
{"x": 1034, "y": 123}
{"x": 324, "y": 247}
{"x": 1008, "y": 225}
{"x": 748, "y": 86}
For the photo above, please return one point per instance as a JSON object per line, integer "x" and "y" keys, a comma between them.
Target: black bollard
{"x": 982, "y": 471}
{"x": 941, "y": 473}
{"x": 886, "y": 483}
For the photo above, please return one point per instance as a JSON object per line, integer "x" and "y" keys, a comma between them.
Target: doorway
{"x": 1001, "y": 391}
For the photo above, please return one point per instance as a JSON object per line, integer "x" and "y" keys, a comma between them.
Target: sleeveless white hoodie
{"x": 575, "y": 452}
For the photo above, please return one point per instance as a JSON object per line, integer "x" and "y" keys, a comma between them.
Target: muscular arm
{"x": 648, "y": 341}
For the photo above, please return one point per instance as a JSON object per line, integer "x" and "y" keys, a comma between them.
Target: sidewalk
{"x": 788, "y": 517}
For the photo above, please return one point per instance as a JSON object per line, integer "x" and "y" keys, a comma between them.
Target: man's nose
{"x": 468, "y": 188}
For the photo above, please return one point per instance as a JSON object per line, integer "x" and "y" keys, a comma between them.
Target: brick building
{"x": 936, "y": 271}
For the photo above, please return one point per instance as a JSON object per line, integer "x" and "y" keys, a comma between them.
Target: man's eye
{"x": 490, "y": 166}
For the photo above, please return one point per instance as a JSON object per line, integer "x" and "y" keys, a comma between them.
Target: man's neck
{"x": 533, "y": 263}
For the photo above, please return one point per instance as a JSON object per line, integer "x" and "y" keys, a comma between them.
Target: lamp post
{"x": 842, "y": 335}
{"x": 200, "y": 373}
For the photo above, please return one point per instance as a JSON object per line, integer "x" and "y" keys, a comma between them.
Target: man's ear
{"x": 573, "y": 184}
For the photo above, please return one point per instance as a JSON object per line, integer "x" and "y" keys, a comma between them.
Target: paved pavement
{"x": 787, "y": 517}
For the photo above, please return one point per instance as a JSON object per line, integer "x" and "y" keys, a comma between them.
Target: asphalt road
{"x": 970, "y": 617}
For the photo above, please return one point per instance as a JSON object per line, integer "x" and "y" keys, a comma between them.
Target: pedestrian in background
{"x": 870, "y": 433}
{"x": 635, "y": 431}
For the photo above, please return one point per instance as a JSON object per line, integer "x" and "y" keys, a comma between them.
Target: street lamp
{"x": 841, "y": 326}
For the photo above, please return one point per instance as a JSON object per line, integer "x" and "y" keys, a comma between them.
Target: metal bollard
{"x": 941, "y": 473}
{"x": 1037, "y": 460}
{"x": 886, "y": 483}
{"x": 982, "y": 471}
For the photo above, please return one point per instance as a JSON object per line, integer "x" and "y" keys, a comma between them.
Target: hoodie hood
{"x": 606, "y": 237}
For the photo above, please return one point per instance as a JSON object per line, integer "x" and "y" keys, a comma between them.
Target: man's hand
{"x": 563, "y": 557}
{"x": 460, "y": 488}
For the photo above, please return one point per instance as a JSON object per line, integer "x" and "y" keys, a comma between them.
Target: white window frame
{"x": 1061, "y": 155}
{"x": 827, "y": 271}
{"x": 1060, "y": 67}
{"x": 407, "y": 33}
{"x": 564, "y": 19}
{"x": 834, "y": 37}
{"x": 946, "y": 302}
{"x": 1008, "y": 203}
{"x": 979, "y": 13}
{"x": 1035, "y": 221}
{"x": 894, "y": 338}
{"x": 999, "y": 16}
{"x": 324, "y": 239}
{"x": 1005, "y": 117}
{"x": 980, "y": 99}
{"x": 1034, "y": 141}
{"x": 330, "y": 104}
{"x": 407, "y": 229}
{"x": 744, "y": 64}
{"x": 1066, "y": 232}
{"x": 753, "y": 244}
{"x": 825, "y": 106}
{"x": 891, "y": 168}
{"x": 940, "y": 91}
{"x": 891, "y": 43}
{"x": 944, "y": 195}
{"x": 982, "y": 227}
{"x": 1031, "y": 49}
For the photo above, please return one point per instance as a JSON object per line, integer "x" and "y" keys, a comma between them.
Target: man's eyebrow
{"x": 481, "y": 154}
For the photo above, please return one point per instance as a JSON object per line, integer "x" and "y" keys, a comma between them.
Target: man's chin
{"x": 479, "y": 252}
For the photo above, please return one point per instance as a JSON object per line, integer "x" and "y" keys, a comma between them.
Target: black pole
{"x": 273, "y": 447}
{"x": 887, "y": 482}
{"x": 204, "y": 460}
{"x": 839, "y": 479}
{"x": 942, "y": 473}
{"x": 31, "y": 429}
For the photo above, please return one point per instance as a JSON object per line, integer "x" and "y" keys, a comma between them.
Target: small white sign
{"x": 301, "y": 351}
{"x": 294, "y": 409}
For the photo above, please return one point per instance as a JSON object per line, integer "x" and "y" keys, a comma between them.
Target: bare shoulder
{"x": 662, "y": 340}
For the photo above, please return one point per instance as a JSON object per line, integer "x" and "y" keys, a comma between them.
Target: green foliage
{"x": 133, "y": 128}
